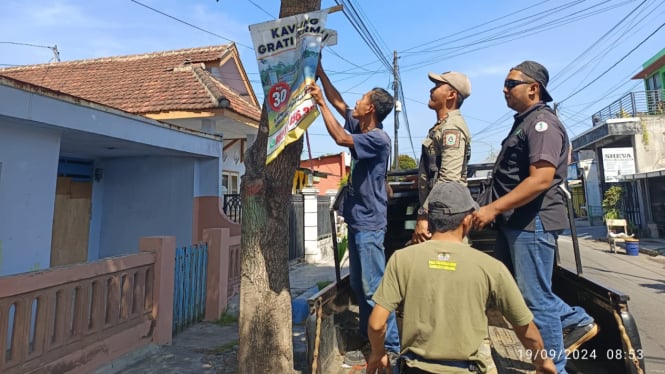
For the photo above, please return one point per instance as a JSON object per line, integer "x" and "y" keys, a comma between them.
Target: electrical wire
{"x": 406, "y": 119}
{"x": 28, "y": 45}
{"x": 260, "y": 8}
{"x": 577, "y": 59}
{"x": 514, "y": 31}
{"x": 622, "y": 31}
{"x": 359, "y": 25}
{"x": 189, "y": 24}
{"x": 614, "y": 65}
{"x": 476, "y": 27}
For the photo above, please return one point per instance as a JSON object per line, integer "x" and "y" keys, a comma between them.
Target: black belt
{"x": 469, "y": 365}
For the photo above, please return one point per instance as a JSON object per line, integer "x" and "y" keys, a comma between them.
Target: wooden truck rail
{"x": 616, "y": 349}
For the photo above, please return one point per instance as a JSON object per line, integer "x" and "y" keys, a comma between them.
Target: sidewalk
{"x": 210, "y": 348}
{"x": 649, "y": 246}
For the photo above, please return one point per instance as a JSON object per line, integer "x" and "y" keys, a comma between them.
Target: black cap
{"x": 451, "y": 198}
{"x": 538, "y": 73}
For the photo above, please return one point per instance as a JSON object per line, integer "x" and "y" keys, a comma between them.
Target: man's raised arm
{"x": 333, "y": 96}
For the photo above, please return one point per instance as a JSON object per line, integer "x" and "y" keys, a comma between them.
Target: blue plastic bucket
{"x": 632, "y": 248}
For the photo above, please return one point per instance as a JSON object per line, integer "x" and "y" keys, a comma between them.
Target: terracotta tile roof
{"x": 147, "y": 83}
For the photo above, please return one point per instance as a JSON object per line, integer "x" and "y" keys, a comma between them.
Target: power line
{"x": 611, "y": 45}
{"x": 486, "y": 134}
{"x": 189, "y": 24}
{"x": 511, "y": 31}
{"x": 359, "y": 25}
{"x": 614, "y": 65}
{"x": 406, "y": 119}
{"x": 54, "y": 49}
{"x": 28, "y": 44}
{"x": 429, "y": 44}
{"x": 349, "y": 62}
{"x": 264, "y": 11}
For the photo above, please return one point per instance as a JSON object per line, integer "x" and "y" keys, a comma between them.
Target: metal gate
{"x": 631, "y": 205}
{"x": 189, "y": 291}
{"x": 579, "y": 201}
{"x": 323, "y": 228}
{"x": 297, "y": 227}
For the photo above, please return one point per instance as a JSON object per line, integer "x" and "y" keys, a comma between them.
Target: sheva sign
{"x": 618, "y": 162}
{"x": 288, "y": 51}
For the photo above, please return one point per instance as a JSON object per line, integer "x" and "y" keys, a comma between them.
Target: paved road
{"x": 641, "y": 277}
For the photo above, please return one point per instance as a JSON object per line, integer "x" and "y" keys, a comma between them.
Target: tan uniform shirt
{"x": 444, "y": 155}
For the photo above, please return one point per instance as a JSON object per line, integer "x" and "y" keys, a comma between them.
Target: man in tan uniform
{"x": 447, "y": 148}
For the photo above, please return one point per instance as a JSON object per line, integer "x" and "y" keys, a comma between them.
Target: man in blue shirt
{"x": 365, "y": 205}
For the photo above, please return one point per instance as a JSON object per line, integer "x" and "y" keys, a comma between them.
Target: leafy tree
{"x": 611, "y": 201}
{"x": 407, "y": 162}
{"x": 265, "y": 328}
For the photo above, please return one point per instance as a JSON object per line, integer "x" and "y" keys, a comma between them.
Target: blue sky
{"x": 578, "y": 41}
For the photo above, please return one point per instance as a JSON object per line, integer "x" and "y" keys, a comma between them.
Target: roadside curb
{"x": 649, "y": 252}
{"x": 646, "y": 251}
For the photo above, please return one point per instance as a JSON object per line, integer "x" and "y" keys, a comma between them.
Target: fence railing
{"x": 189, "y": 292}
{"x": 48, "y": 315}
{"x": 233, "y": 207}
{"x": 633, "y": 104}
{"x": 233, "y": 210}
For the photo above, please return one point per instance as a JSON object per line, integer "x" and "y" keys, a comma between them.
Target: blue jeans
{"x": 367, "y": 262}
{"x": 532, "y": 260}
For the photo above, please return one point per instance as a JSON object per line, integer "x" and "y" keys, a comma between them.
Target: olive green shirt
{"x": 444, "y": 155}
{"x": 446, "y": 288}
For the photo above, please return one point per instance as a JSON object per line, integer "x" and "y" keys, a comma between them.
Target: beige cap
{"x": 458, "y": 81}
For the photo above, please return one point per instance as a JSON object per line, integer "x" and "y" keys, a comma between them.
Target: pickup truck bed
{"x": 611, "y": 351}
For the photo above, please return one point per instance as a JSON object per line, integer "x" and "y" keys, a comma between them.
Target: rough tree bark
{"x": 265, "y": 300}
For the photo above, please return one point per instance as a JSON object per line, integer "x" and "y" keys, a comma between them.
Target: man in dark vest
{"x": 529, "y": 210}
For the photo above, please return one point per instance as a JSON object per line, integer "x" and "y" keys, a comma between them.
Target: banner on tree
{"x": 287, "y": 51}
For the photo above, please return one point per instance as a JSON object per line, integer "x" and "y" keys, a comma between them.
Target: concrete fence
{"x": 75, "y": 318}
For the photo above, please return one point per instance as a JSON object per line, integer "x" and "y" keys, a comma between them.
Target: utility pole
{"x": 398, "y": 109}
{"x": 56, "y": 53}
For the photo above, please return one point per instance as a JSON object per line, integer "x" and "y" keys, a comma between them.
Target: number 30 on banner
{"x": 278, "y": 96}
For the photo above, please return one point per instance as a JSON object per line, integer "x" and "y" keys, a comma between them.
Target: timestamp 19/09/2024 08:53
{"x": 588, "y": 354}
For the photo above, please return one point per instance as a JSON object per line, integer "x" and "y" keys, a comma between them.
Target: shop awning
{"x": 606, "y": 133}
{"x": 646, "y": 175}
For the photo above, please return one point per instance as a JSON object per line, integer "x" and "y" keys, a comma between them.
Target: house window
{"x": 654, "y": 83}
{"x": 231, "y": 182}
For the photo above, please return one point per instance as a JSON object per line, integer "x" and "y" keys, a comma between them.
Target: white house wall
{"x": 29, "y": 166}
{"x": 232, "y": 157}
{"x": 159, "y": 201}
{"x": 650, "y": 154}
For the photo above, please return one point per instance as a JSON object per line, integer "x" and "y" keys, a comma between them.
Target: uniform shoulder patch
{"x": 541, "y": 126}
{"x": 451, "y": 138}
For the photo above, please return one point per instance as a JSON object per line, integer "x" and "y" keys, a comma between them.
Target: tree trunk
{"x": 265, "y": 328}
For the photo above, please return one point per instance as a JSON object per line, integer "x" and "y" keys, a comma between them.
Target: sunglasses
{"x": 512, "y": 83}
